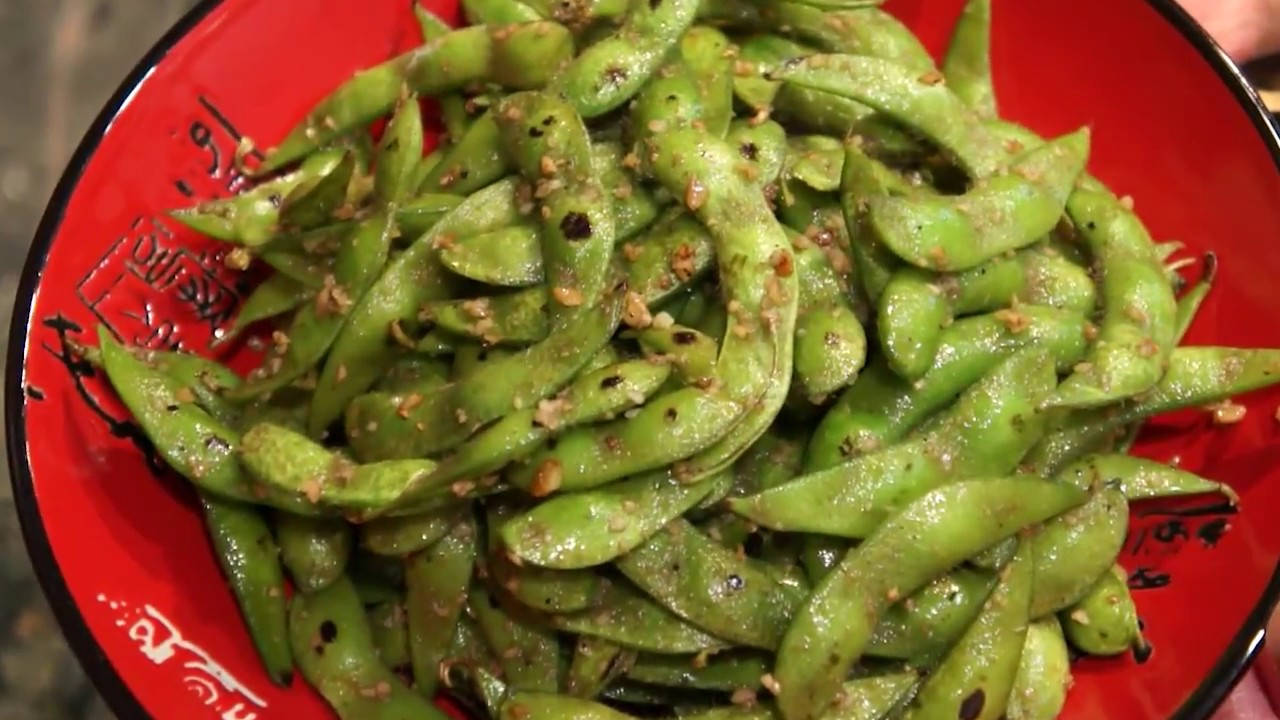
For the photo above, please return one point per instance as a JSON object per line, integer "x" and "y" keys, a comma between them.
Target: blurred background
{"x": 60, "y": 60}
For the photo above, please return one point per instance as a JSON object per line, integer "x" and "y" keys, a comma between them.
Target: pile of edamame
{"x": 727, "y": 359}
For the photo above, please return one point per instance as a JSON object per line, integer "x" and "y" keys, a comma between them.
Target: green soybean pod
{"x": 334, "y": 649}
{"x": 898, "y": 92}
{"x": 990, "y": 426}
{"x": 869, "y": 32}
{"x": 727, "y": 671}
{"x": 399, "y": 152}
{"x": 1139, "y": 478}
{"x": 252, "y": 217}
{"x": 756, "y": 53}
{"x": 976, "y": 677}
{"x": 1138, "y": 324}
{"x": 405, "y": 535}
{"x": 514, "y": 318}
{"x": 671, "y": 99}
{"x": 825, "y": 637}
{"x": 472, "y": 162}
{"x": 1104, "y": 621}
{"x": 361, "y": 353}
{"x": 582, "y": 529}
{"x": 317, "y": 325}
{"x": 869, "y": 698}
{"x": 763, "y": 147}
{"x": 1196, "y": 376}
{"x": 315, "y": 550}
{"x": 882, "y": 407}
{"x": 520, "y": 56}
{"x": 272, "y": 297}
{"x": 549, "y": 706}
{"x": 1002, "y": 213}
{"x": 672, "y": 254}
{"x": 705, "y": 51}
{"x": 387, "y": 625}
{"x": 538, "y": 589}
{"x": 189, "y": 439}
{"x": 923, "y": 627}
{"x": 1044, "y": 674}
{"x": 528, "y": 653}
{"x": 634, "y": 206}
{"x": 735, "y": 598}
{"x": 250, "y": 561}
{"x": 865, "y": 178}
{"x": 627, "y": 617}
{"x": 592, "y": 82}
{"x": 967, "y": 65}
{"x": 596, "y": 663}
{"x": 1074, "y": 550}
{"x": 510, "y": 257}
{"x": 436, "y": 582}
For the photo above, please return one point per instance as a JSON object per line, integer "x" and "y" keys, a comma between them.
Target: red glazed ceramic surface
{"x": 118, "y": 541}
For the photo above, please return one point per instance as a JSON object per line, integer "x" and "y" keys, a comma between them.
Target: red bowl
{"x": 117, "y": 541}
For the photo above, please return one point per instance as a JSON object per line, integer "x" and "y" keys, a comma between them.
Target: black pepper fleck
{"x": 971, "y": 707}
{"x": 575, "y": 226}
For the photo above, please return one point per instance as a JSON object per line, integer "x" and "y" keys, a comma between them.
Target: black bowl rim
{"x": 1200, "y": 705}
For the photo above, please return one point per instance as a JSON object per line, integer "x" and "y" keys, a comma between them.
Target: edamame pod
{"x": 250, "y": 562}
{"x": 975, "y": 679}
{"x": 1044, "y": 674}
{"x": 334, "y": 650}
{"x": 528, "y": 653}
{"x": 549, "y": 706}
{"x": 520, "y": 56}
{"x": 1105, "y": 620}
{"x": 882, "y": 407}
{"x": 1139, "y": 478}
{"x": 628, "y": 618}
{"x": 710, "y": 586}
{"x": 596, "y": 663}
{"x": 510, "y": 257}
{"x": 610, "y": 72}
{"x": 992, "y": 424}
{"x": 317, "y": 325}
{"x": 1073, "y": 551}
{"x": 922, "y": 628}
{"x": 905, "y": 96}
{"x": 315, "y": 550}
{"x": 361, "y": 352}
{"x": 436, "y": 582}
{"x": 472, "y": 162}
{"x": 869, "y": 32}
{"x": 402, "y": 536}
{"x": 868, "y": 698}
{"x": 1001, "y": 213}
{"x": 514, "y": 318}
{"x": 818, "y": 650}
{"x": 670, "y": 256}
{"x": 577, "y": 530}
{"x": 1196, "y": 376}
{"x": 967, "y": 65}
{"x": 191, "y": 441}
{"x": 1138, "y": 325}
{"x": 917, "y": 305}
{"x": 252, "y": 218}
